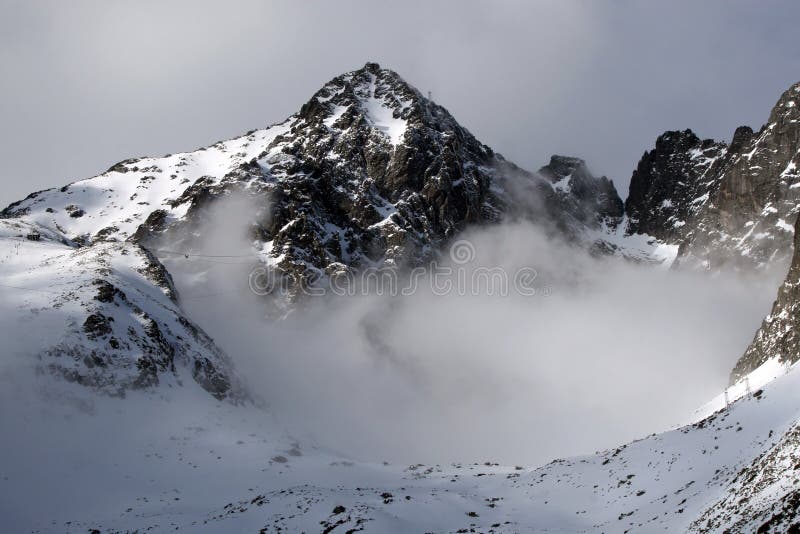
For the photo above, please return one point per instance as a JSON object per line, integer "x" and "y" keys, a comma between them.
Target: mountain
{"x": 726, "y": 206}
{"x": 731, "y": 206}
{"x": 750, "y": 219}
{"x": 591, "y": 200}
{"x": 671, "y": 183}
{"x": 370, "y": 173}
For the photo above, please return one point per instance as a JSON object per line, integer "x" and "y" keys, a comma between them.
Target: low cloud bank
{"x": 602, "y": 352}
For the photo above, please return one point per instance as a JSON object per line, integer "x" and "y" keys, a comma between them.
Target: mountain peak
{"x": 787, "y": 105}
{"x": 561, "y": 166}
{"x": 379, "y": 97}
{"x": 372, "y": 67}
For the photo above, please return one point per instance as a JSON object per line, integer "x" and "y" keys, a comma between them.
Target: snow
{"x": 338, "y": 111}
{"x": 758, "y": 378}
{"x": 216, "y": 467}
{"x": 125, "y": 199}
{"x": 640, "y": 247}
{"x": 783, "y": 225}
{"x": 563, "y": 185}
{"x": 790, "y": 169}
{"x": 383, "y": 117}
{"x": 768, "y": 209}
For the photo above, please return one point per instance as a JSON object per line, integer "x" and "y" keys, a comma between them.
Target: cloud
{"x": 611, "y": 351}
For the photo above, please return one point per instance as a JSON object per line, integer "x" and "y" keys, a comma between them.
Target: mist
{"x": 600, "y": 352}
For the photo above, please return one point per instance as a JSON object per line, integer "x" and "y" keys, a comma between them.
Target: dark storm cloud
{"x": 86, "y": 84}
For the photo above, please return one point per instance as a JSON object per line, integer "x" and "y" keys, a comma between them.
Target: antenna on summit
{"x": 430, "y": 96}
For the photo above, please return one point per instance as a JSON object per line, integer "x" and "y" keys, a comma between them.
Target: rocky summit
{"x": 670, "y": 185}
{"x": 368, "y": 173}
{"x": 727, "y": 206}
{"x": 731, "y": 206}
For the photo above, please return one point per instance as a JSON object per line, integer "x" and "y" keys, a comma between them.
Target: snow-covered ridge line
{"x": 113, "y": 204}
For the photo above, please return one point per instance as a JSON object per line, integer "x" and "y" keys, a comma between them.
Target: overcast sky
{"x": 86, "y": 84}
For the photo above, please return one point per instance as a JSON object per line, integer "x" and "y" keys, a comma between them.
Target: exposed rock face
{"x": 749, "y": 221}
{"x": 371, "y": 173}
{"x": 588, "y": 199}
{"x": 779, "y": 335}
{"x": 368, "y": 173}
{"x": 671, "y": 183}
{"x": 727, "y": 206}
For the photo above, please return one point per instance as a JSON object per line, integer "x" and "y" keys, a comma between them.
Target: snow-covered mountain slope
{"x": 104, "y": 316}
{"x": 113, "y": 205}
{"x": 779, "y": 336}
{"x": 226, "y": 468}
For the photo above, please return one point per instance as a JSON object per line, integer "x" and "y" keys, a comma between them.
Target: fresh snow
{"x": 382, "y": 116}
{"x": 638, "y": 247}
{"x": 563, "y": 185}
{"x": 123, "y": 200}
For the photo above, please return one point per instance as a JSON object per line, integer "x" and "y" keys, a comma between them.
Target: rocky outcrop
{"x": 591, "y": 200}
{"x": 670, "y": 185}
{"x": 749, "y": 221}
{"x": 372, "y": 173}
{"x": 779, "y": 335}
{"x": 726, "y": 206}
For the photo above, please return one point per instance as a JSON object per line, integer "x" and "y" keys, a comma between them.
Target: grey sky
{"x": 86, "y": 84}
